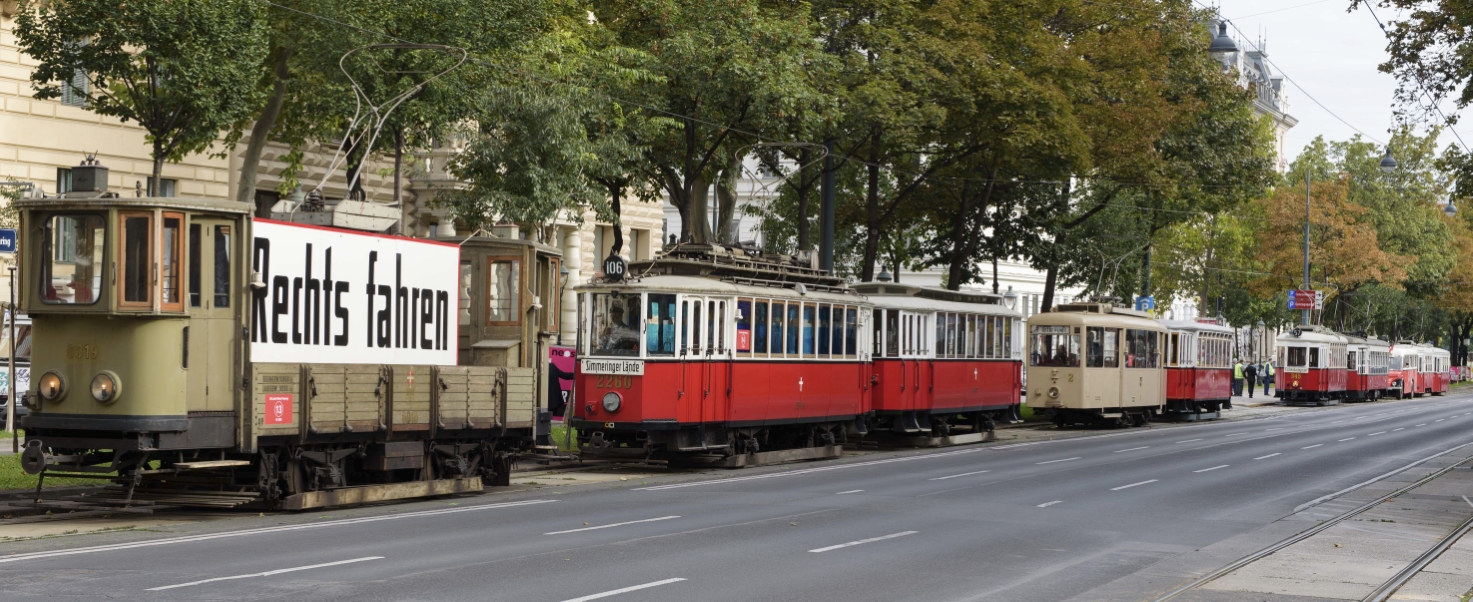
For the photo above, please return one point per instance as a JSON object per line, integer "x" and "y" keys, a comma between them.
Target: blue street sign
{"x": 1291, "y": 299}
{"x": 7, "y": 240}
{"x": 1145, "y": 303}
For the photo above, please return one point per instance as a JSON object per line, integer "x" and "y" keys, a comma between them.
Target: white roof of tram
{"x": 1311, "y": 335}
{"x": 1194, "y": 326}
{"x": 695, "y": 285}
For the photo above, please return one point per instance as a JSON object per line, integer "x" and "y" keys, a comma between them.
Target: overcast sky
{"x": 1333, "y": 55}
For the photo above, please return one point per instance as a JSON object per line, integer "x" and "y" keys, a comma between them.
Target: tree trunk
{"x": 406, "y": 225}
{"x": 245, "y": 191}
{"x": 872, "y": 218}
{"x": 960, "y": 235}
{"x": 616, "y": 194}
{"x": 1050, "y": 279}
{"x": 994, "y": 274}
{"x": 700, "y": 212}
{"x": 155, "y": 183}
{"x": 726, "y": 200}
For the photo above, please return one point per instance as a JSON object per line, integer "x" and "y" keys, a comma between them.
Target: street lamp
{"x": 1010, "y": 298}
{"x": 1450, "y": 209}
{"x": 1388, "y": 163}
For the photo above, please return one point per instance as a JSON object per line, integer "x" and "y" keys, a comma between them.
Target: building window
{"x": 74, "y": 92}
{"x": 63, "y": 180}
{"x": 167, "y": 189}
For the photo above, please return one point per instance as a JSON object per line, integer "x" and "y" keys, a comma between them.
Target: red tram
{"x": 1435, "y": 370}
{"x": 1199, "y": 373}
{"x": 716, "y": 351}
{"x": 1311, "y": 366}
{"x": 968, "y": 374}
{"x": 1366, "y": 367}
{"x": 1403, "y": 377}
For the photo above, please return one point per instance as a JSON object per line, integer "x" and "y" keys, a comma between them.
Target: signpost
{"x": 1304, "y": 300}
{"x": 8, "y": 241}
{"x": 1145, "y": 303}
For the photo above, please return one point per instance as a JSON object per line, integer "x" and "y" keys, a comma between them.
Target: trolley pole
{"x": 1304, "y": 319}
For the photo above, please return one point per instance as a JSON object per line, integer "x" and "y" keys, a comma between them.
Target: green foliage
{"x": 184, "y": 70}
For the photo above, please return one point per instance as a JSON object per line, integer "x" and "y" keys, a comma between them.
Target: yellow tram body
{"x": 1096, "y": 363}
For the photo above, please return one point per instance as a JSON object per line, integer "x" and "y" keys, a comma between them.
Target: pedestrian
{"x": 1238, "y": 378}
{"x": 1250, "y": 376}
{"x": 1268, "y": 376}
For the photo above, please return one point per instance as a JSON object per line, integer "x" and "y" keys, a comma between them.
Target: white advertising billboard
{"x": 341, "y": 297}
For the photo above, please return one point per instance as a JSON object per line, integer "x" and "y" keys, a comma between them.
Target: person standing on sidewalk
{"x": 1268, "y": 376}
{"x": 1238, "y": 378}
{"x": 1250, "y": 376}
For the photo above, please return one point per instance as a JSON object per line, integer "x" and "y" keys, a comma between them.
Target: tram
{"x": 1199, "y": 372}
{"x": 1096, "y": 363}
{"x": 726, "y": 352}
{"x": 942, "y": 359}
{"x": 1366, "y": 367}
{"x": 1312, "y": 366}
{"x": 1402, "y": 377}
{"x": 194, "y": 352}
{"x": 1435, "y": 373}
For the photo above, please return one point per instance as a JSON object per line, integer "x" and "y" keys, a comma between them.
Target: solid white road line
{"x": 266, "y": 574}
{"x": 647, "y": 520}
{"x": 1047, "y": 504}
{"x": 1133, "y": 485}
{"x": 1213, "y": 468}
{"x": 1132, "y": 449}
{"x": 1345, "y": 439}
{"x": 864, "y": 541}
{"x": 1312, "y": 446}
{"x": 819, "y": 469}
{"x": 965, "y": 474}
{"x": 331, "y": 523}
{"x": 1189, "y": 441}
{"x": 1268, "y": 456}
{"x": 632, "y": 588}
{"x": 1052, "y": 461}
{"x": 1376, "y": 433}
{"x": 849, "y": 492}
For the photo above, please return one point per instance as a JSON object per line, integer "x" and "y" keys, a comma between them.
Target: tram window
{"x": 1054, "y": 346}
{"x": 72, "y": 272}
{"x": 137, "y": 250}
{"x": 659, "y": 337}
{"x": 503, "y": 287}
{"x": 1094, "y": 347}
{"x": 838, "y": 326}
{"x": 616, "y": 324}
{"x": 1008, "y": 325}
{"x": 1140, "y": 348}
{"x": 169, "y": 294}
{"x": 851, "y": 331}
{"x": 759, "y": 317}
{"x": 695, "y": 328}
{"x": 684, "y": 326}
{"x": 1352, "y": 360}
{"x": 794, "y": 326}
{"x": 1294, "y": 357}
{"x": 195, "y": 248}
{"x": 718, "y": 326}
{"x": 1314, "y": 357}
{"x": 968, "y": 345}
{"x": 222, "y": 266}
{"x": 892, "y": 333}
{"x": 743, "y": 326}
{"x": 778, "y": 319}
{"x": 825, "y": 336}
{"x": 808, "y": 329}
{"x": 464, "y": 306}
{"x": 988, "y": 338}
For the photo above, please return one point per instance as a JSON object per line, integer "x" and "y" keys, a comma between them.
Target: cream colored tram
{"x": 1096, "y": 363}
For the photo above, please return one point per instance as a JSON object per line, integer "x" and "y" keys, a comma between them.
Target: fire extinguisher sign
{"x": 279, "y": 408}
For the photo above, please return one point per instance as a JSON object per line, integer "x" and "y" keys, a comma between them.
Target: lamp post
{"x": 1388, "y": 165}
{"x": 1010, "y": 298}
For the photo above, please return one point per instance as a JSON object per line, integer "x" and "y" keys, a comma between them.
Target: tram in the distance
{"x": 1366, "y": 367}
{"x": 1312, "y": 366}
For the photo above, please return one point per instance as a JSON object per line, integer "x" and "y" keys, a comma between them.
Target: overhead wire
{"x": 1420, "y": 86}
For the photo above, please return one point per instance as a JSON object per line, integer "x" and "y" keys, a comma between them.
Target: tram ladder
{"x": 1312, "y": 531}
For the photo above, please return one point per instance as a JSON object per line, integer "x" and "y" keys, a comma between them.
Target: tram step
{"x": 211, "y": 464}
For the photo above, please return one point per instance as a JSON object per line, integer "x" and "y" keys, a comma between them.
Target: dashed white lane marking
{"x": 1047, "y": 504}
{"x": 331, "y": 523}
{"x": 610, "y": 526}
{"x": 632, "y": 588}
{"x": 1470, "y": 502}
{"x": 1133, "y": 485}
{"x": 1189, "y": 441}
{"x": 1423, "y": 424}
{"x": 1277, "y": 428}
{"x": 1132, "y": 449}
{"x": 267, "y": 573}
{"x": 1361, "y": 417}
{"x": 864, "y": 541}
{"x": 965, "y": 474}
{"x": 1400, "y": 429}
{"x": 849, "y": 492}
{"x": 790, "y": 473}
{"x": 1345, "y": 439}
{"x": 1376, "y": 433}
{"x": 1268, "y": 456}
{"x": 1439, "y": 420}
{"x": 1235, "y": 434}
{"x": 1052, "y": 461}
{"x": 1337, "y": 422}
{"x": 1312, "y": 446}
{"x": 1213, "y": 468}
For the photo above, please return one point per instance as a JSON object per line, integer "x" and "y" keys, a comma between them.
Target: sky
{"x": 1333, "y": 55}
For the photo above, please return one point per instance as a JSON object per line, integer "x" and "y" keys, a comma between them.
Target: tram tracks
{"x": 1390, "y": 586}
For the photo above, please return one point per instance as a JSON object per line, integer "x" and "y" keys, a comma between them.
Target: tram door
{"x": 209, "y": 298}
{"x": 915, "y": 340}
{"x": 708, "y": 362}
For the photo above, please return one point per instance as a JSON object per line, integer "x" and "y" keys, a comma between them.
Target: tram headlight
{"x": 1053, "y": 392}
{"x": 612, "y": 401}
{"x": 52, "y": 386}
{"x": 106, "y": 387}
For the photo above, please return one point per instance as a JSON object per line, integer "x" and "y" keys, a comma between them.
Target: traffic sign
{"x": 1304, "y": 300}
{"x": 1146, "y": 303}
{"x": 7, "y": 240}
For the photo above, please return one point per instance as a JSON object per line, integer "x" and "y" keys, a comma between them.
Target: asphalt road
{"x": 1041, "y": 521}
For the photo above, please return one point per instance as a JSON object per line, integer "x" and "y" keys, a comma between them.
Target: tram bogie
{"x": 1096, "y": 363}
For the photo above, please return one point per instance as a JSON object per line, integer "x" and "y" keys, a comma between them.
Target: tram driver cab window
{"x": 1054, "y": 346}
{"x": 72, "y": 260}
{"x": 616, "y": 324}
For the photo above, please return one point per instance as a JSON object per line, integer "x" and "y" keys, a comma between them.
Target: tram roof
{"x": 1097, "y": 314}
{"x": 107, "y": 201}
{"x": 1193, "y": 326}
{"x": 1311, "y": 334}
{"x": 696, "y": 285}
{"x": 1369, "y": 341}
{"x": 914, "y": 297}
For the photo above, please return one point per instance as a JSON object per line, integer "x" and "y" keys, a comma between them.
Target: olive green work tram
{"x": 154, "y": 293}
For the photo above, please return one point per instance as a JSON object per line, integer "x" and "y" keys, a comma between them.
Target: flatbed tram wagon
{"x": 189, "y": 351}
{"x": 1095, "y": 363}
{"x": 1366, "y": 367}
{"x": 1199, "y": 370}
{"x": 943, "y": 359}
{"x": 717, "y": 352}
{"x": 1312, "y": 366}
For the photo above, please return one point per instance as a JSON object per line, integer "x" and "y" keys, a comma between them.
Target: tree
{"x": 184, "y": 70}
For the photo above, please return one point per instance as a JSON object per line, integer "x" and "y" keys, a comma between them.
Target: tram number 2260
{"x": 614, "y": 381}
